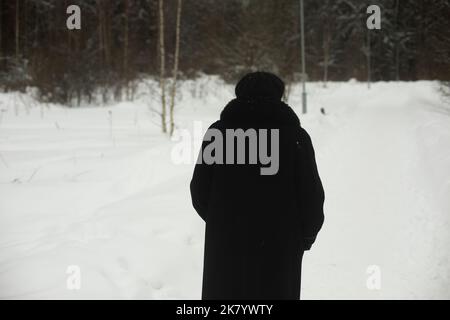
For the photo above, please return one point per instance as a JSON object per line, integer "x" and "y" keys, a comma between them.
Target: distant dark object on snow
{"x": 322, "y": 111}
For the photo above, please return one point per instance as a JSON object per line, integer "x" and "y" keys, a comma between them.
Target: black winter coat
{"x": 257, "y": 226}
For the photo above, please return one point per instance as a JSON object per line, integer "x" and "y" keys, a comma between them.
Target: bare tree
{"x": 329, "y": 36}
{"x": 17, "y": 33}
{"x": 162, "y": 53}
{"x": 397, "y": 45}
{"x": 327, "y": 61}
{"x": 104, "y": 31}
{"x": 125, "y": 51}
{"x": 175, "y": 66}
{"x": 1, "y": 51}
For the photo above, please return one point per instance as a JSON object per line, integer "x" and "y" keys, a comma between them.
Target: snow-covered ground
{"x": 100, "y": 188}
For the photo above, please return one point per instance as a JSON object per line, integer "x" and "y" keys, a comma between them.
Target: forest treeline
{"x": 120, "y": 42}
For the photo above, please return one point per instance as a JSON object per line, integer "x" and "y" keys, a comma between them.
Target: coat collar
{"x": 259, "y": 112}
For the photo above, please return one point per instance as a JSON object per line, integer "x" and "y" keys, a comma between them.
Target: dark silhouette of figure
{"x": 258, "y": 226}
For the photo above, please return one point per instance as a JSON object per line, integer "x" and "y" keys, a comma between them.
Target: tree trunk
{"x": 397, "y": 46}
{"x": 1, "y": 51}
{"x": 175, "y": 66}
{"x": 326, "y": 55}
{"x": 107, "y": 33}
{"x": 162, "y": 80}
{"x": 100, "y": 31}
{"x": 104, "y": 32}
{"x": 125, "y": 52}
{"x": 397, "y": 62}
{"x": 17, "y": 30}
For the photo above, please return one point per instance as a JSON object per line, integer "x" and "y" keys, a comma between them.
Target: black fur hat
{"x": 260, "y": 86}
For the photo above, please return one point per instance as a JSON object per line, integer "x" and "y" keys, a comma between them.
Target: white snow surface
{"x": 98, "y": 187}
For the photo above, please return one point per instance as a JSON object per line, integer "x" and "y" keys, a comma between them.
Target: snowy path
{"x": 380, "y": 210}
{"x": 120, "y": 208}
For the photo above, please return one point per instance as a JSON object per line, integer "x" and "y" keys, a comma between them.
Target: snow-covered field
{"x": 100, "y": 188}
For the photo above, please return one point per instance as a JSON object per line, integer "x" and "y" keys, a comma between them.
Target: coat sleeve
{"x": 312, "y": 195}
{"x": 201, "y": 183}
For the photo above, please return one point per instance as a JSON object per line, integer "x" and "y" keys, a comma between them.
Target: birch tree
{"x": 162, "y": 53}
{"x": 175, "y": 66}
